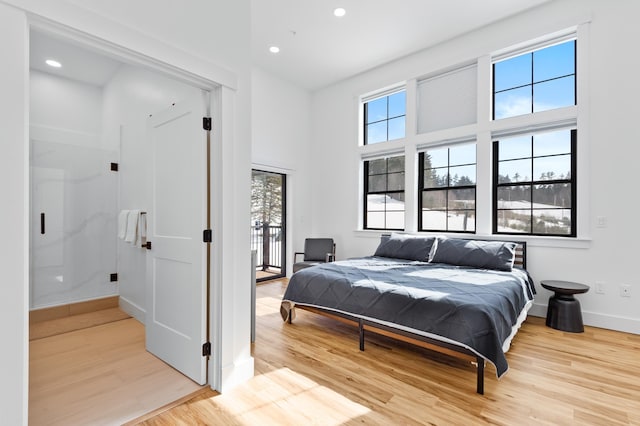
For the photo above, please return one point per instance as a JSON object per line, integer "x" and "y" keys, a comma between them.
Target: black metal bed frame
{"x": 407, "y": 336}
{"x": 393, "y": 332}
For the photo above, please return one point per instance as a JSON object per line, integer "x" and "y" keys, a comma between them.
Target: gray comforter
{"x": 478, "y": 309}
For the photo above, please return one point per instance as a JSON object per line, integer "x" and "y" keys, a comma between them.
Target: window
{"x": 511, "y": 171}
{"x": 384, "y": 118}
{"x": 384, "y": 193}
{"x": 536, "y": 81}
{"x": 535, "y": 184}
{"x": 447, "y": 189}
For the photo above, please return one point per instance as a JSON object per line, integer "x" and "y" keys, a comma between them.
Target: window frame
{"x": 532, "y": 183}
{"x": 449, "y": 187}
{"x": 366, "y": 175}
{"x": 365, "y": 111}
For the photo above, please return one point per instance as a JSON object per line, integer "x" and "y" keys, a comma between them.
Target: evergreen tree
{"x": 266, "y": 197}
{"x": 430, "y": 175}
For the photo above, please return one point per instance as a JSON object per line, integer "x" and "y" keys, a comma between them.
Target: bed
{"x": 465, "y": 298}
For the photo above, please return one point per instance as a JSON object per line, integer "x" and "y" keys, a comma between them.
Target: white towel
{"x": 122, "y": 223}
{"x": 132, "y": 227}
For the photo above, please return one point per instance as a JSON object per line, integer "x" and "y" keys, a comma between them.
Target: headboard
{"x": 521, "y": 254}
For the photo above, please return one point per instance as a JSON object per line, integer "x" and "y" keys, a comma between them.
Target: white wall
{"x": 607, "y": 116}
{"x": 229, "y": 39}
{"x": 65, "y": 104}
{"x": 129, "y": 98}
{"x": 14, "y": 226}
{"x": 281, "y": 143}
{"x": 218, "y": 49}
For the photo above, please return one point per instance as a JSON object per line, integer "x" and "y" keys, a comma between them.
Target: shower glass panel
{"x": 73, "y": 223}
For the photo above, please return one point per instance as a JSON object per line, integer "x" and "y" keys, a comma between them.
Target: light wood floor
{"x": 52, "y": 327}
{"x": 311, "y": 372}
{"x": 100, "y": 375}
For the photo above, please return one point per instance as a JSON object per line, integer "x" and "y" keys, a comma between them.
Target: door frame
{"x": 101, "y": 35}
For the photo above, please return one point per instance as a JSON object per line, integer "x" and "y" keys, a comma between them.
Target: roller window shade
{"x": 448, "y": 100}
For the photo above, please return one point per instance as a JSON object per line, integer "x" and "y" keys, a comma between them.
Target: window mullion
{"x": 531, "y": 186}
{"x": 532, "y": 100}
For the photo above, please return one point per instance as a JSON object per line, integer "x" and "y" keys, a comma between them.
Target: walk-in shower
{"x": 73, "y": 220}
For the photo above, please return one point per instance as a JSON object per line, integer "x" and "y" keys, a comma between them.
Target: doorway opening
{"x": 90, "y": 131}
{"x": 268, "y": 223}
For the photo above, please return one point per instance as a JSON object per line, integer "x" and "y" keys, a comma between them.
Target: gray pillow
{"x": 405, "y": 247}
{"x": 498, "y": 255}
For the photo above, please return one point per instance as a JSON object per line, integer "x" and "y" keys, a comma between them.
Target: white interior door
{"x": 175, "y": 321}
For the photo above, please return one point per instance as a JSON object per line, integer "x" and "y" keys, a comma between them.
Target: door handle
{"x": 42, "y": 223}
{"x": 147, "y": 245}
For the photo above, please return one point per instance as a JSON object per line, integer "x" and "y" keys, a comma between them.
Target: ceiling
{"x": 78, "y": 63}
{"x": 317, "y": 49}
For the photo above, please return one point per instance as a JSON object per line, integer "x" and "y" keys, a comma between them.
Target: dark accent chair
{"x": 316, "y": 251}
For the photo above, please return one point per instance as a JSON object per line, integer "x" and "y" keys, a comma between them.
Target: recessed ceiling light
{"x": 53, "y": 63}
{"x": 339, "y": 12}
{"x": 274, "y": 49}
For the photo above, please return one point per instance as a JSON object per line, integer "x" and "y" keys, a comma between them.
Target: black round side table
{"x": 563, "y": 311}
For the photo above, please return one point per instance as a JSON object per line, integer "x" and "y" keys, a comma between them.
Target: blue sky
{"x": 379, "y": 110}
{"x": 551, "y": 70}
{"x": 554, "y": 148}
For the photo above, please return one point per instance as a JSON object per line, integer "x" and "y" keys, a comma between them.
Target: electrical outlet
{"x": 599, "y": 287}
{"x": 625, "y": 290}
{"x": 601, "y": 222}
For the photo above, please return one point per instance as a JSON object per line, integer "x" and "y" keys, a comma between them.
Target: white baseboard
{"x": 235, "y": 374}
{"x": 594, "y": 319}
{"x": 538, "y": 310}
{"x": 132, "y": 309}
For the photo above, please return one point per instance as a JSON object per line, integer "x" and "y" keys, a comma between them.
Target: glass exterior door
{"x": 268, "y": 231}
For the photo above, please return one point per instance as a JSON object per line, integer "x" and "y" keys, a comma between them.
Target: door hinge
{"x": 113, "y": 277}
{"x": 207, "y": 236}
{"x": 206, "y": 349}
{"x": 114, "y": 167}
{"x": 206, "y": 123}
